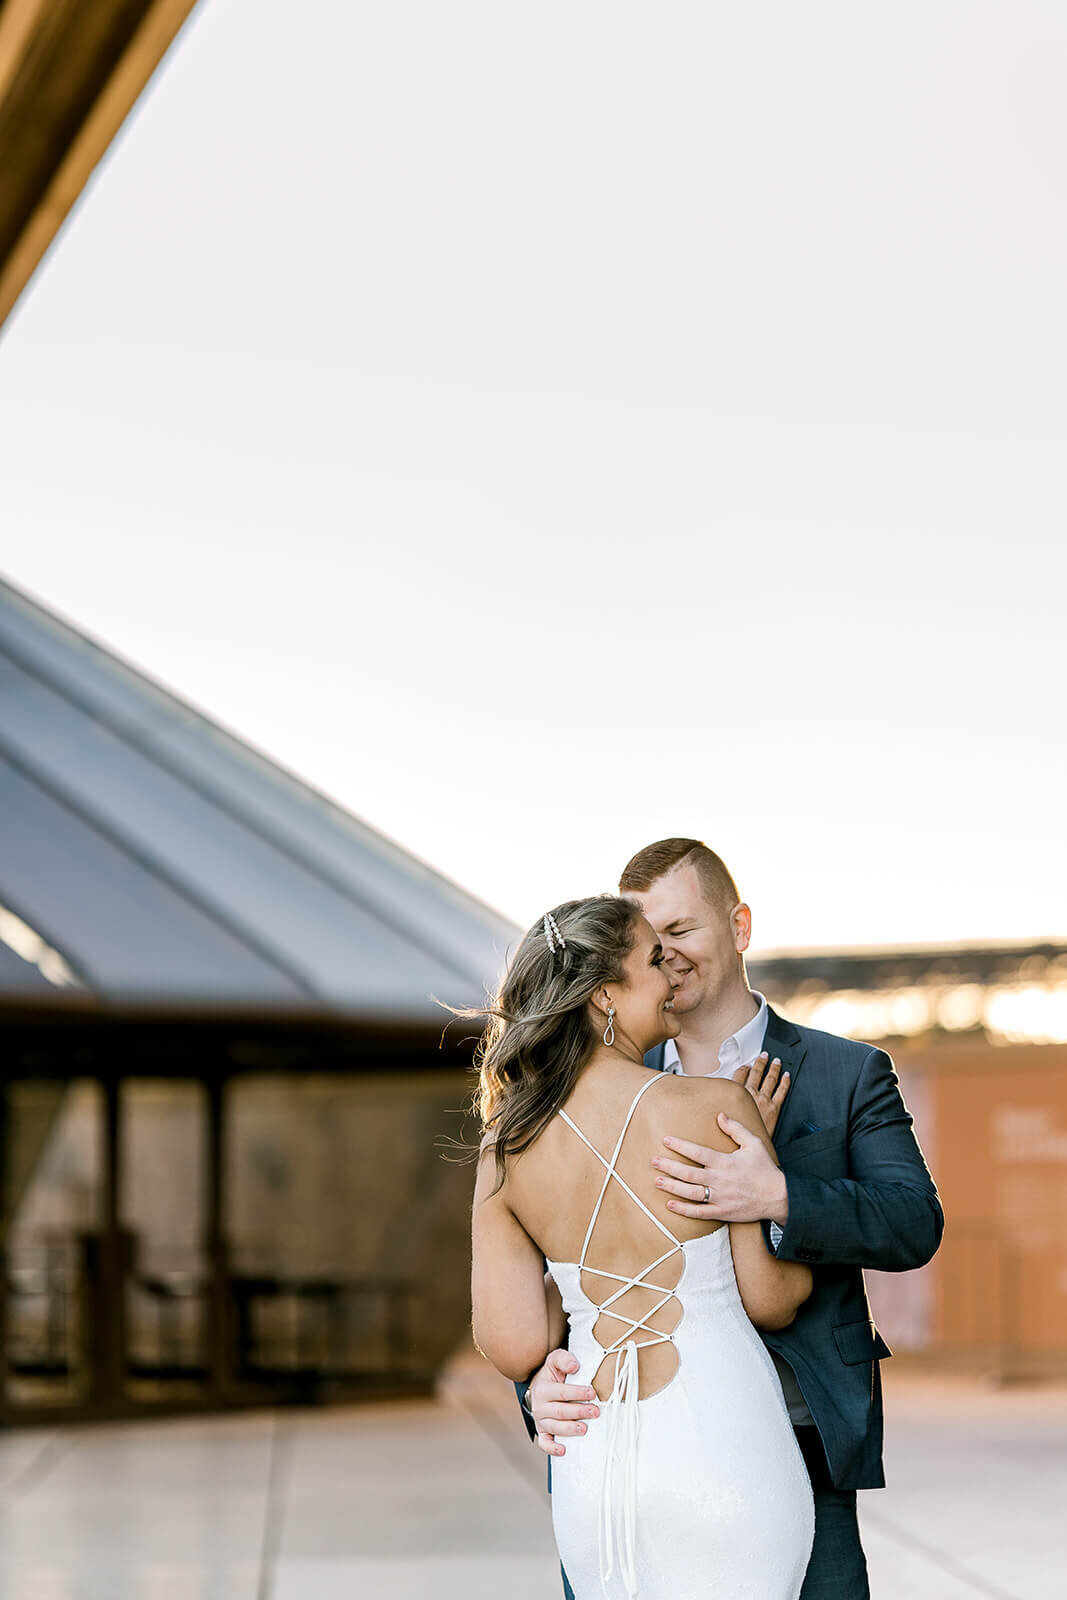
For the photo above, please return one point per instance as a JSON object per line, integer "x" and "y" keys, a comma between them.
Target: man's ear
{"x": 741, "y": 922}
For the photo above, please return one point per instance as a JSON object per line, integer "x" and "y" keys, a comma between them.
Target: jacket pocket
{"x": 860, "y": 1341}
{"x": 804, "y": 1145}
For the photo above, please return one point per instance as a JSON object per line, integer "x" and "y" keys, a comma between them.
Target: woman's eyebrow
{"x": 656, "y": 950}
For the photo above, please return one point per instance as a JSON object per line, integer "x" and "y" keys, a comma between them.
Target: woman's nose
{"x": 676, "y": 982}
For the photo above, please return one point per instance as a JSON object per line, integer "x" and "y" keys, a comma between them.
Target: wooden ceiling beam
{"x": 70, "y": 73}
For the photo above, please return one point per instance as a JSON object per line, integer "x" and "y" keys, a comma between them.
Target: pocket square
{"x": 808, "y": 1127}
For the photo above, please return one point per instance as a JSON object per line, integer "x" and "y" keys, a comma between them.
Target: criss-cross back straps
{"x": 630, "y": 1324}
{"x": 617, "y": 1523}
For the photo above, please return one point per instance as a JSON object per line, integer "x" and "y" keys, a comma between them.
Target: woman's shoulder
{"x": 720, "y": 1092}
{"x": 703, "y": 1100}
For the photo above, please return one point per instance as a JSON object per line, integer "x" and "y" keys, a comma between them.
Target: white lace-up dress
{"x": 699, "y": 1490}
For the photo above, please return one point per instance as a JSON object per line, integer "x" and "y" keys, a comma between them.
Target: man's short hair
{"x": 656, "y": 860}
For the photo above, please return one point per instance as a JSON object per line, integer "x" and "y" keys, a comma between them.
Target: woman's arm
{"x": 771, "y": 1290}
{"x": 514, "y": 1319}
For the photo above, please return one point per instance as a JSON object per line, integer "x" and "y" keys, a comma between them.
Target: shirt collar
{"x": 740, "y": 1049}
{"x": 745, "y": 1045}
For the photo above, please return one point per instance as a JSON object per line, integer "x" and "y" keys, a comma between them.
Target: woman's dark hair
{"x": 540, "y": 1035}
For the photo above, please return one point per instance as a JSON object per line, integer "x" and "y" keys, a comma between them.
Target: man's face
{"x": 700, "y": 942}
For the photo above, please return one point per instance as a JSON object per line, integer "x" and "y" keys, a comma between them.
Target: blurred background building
{"x": 227, "y": 1100}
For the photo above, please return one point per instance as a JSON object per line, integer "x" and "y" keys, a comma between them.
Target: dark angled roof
{"x": 163, "y": 861}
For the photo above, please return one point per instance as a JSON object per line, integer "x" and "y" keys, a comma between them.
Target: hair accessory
{"x": 554, "y": 938}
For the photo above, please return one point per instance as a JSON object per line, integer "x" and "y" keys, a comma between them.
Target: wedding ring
{"x": 707, "y": 1196}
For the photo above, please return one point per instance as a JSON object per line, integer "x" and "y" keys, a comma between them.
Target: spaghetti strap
{"x": 610, "y": 1171}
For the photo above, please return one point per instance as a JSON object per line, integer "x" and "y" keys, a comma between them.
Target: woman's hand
{"x": 766, "y": 1087}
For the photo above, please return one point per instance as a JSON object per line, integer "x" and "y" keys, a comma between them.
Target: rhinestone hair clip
{"x": 554, "y": 938}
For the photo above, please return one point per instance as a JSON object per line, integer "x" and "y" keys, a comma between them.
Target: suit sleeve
{"x": 886, "y": 1215}
{"x": 520, "y": 1390}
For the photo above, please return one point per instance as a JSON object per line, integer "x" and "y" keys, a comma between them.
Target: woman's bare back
{"x": 553, "y": 1189}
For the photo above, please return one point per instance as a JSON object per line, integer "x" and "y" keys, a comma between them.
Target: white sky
{"x": 547, "y": 429}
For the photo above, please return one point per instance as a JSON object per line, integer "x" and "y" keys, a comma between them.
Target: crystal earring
{"x": 609, "y": 1031}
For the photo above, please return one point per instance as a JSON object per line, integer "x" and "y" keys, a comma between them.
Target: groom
{"x": 853, "y": 1191}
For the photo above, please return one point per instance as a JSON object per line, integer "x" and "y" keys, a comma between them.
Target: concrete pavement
{"x": 445, "y": 1499}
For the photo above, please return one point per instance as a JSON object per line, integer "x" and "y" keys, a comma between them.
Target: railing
{"x": 43, "y": 1309}
{"x": 321, "y": 1328}
{"x": 288, "y": 1331}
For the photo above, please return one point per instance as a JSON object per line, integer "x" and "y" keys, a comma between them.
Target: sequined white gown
{"x": 699, "y": 1491}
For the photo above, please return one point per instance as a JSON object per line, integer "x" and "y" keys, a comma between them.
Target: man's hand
{"x": 744, "y": 1186}
{"x": 766, "y": 1088}
{"x": 559, "y": 1407}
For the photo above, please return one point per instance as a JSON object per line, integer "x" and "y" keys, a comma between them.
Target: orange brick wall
{"x": 993, "y": 1124}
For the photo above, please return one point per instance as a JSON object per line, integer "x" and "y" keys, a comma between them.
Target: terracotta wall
{"x": 993, "y": 1124}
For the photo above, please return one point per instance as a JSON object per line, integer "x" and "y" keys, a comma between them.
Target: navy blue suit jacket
{"x": 860, "y": 1195}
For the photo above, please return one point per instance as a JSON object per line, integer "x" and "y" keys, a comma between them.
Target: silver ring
{"x": 707, "y": 1196}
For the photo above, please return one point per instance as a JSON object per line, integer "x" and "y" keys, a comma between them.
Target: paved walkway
{"x": 434, "y": 1500}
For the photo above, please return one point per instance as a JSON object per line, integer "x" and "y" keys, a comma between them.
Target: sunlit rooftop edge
{"x": 1025, "y": 1013}
{"x": 935, "y": 949}
{"x": 27, "y": 943}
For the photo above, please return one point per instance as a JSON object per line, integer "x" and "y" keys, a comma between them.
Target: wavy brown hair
{"x": 540, "y": 1035}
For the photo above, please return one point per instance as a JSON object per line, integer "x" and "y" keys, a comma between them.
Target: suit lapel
{"x": 782, "y": 1039}
{"x": 654, "y": 1057}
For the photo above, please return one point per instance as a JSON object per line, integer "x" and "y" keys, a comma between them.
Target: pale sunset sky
{"x": 546, "y": 429}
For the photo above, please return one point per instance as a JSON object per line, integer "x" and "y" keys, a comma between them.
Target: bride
{"x": 687, "y": 1481}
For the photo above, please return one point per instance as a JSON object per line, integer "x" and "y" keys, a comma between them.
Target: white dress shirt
{"x": 739, "y": 1050}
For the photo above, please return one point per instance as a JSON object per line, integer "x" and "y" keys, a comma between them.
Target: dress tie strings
{"x": 618, "y": 1495}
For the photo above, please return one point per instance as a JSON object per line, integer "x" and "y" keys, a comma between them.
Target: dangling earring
{"x": 609, "y": 1031}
